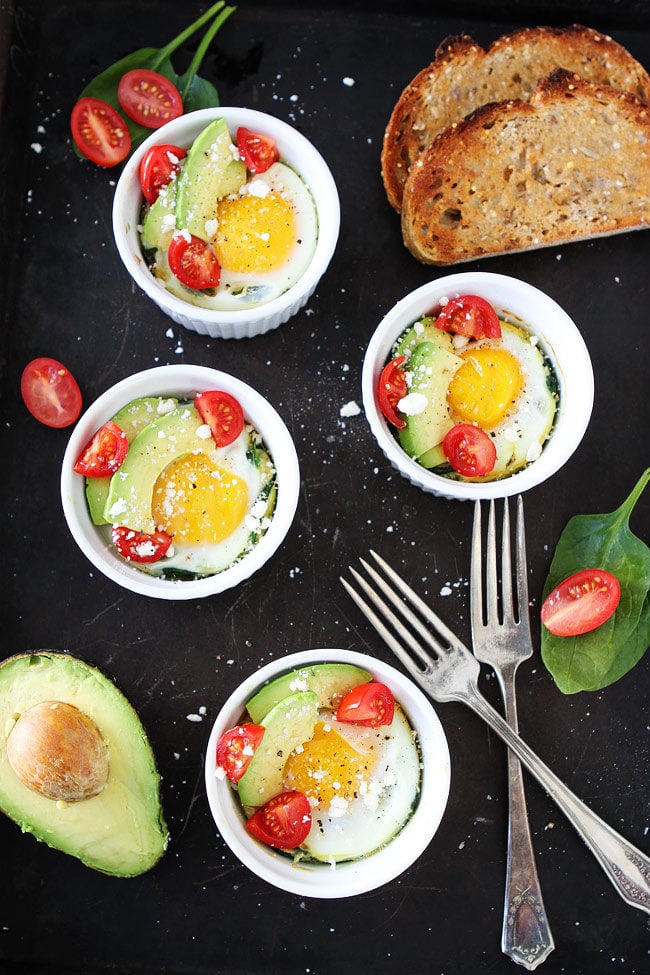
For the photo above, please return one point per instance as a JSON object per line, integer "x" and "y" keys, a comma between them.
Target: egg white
{"x": 348, "y": 831}
{"x": 237, "y": 291}
{"x": 520, "y": 436}
{"x": 210, "y": 558}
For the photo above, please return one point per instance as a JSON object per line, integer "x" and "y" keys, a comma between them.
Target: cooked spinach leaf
{"x": 195, "y": 91}
{"x": 594, "y": 660}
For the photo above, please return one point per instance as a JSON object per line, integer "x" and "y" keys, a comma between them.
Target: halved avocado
{"x": 121, "y": 829}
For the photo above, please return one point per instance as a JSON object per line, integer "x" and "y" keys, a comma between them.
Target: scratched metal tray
{"x": 334, "y": 71}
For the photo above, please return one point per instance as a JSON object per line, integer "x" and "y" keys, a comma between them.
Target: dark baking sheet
{"x": 66, "y": 294}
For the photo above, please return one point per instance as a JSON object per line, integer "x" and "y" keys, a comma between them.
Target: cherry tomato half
{"x": 100, "y": 132}
{"x": 469, "y": 450}
{"x": 259, "y": 152}
{"x": 223, "y": 414}
{"x": 371, "y": 705}
{"x": 236, "y": 747}
{"x": 157, "y": 168}
{"x": 391, "y": 389}
{"x": 50, "y": 393}
{"x": 104, "y": 453}
{"x": 283, "y": 822}
{"x": 139, "y": 546}
{"x": 581, "y": 603}
{"x": 193, "y": 262}
{"x": 149, "y": 98}
{"x": 471, "y": 316}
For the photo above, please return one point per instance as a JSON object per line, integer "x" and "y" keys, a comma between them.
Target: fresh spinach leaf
{"x": 594, "y": 660}
{"x": 195, "y": 91}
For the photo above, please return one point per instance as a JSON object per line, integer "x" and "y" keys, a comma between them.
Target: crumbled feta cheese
{"x": 350, "y": 409}
{"x": 412, "y": 404}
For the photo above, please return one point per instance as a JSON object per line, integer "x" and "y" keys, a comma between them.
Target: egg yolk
{"x": 196, "y": 501}
{"x": 255, "y": 234}
{"x": 485, "y": 387}
{"x": 327, "y": 767}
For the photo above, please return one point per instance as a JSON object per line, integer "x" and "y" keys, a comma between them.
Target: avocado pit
{"x": 57, "y": 751}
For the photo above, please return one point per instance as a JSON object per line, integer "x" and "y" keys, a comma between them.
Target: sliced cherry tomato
{"x": 236, "y": 747}
{"x": 469, "y": 450}
{"x": 392, "y": 388}
{"x": 139, "y": 546}
{"x": 100, "y": 132}
{"x": 471, "y": 316}
{"x": 149, "y": 98}
{"x": 371, "y": 705}
{"x": 104, "y": 453}
{"x": 158, "y": 166}
{"x": 581, "y": 603}
{"x": 283, "y": 822}
{"x": 193, "y": 261}
{"x": 223, "y": 414}
{"x": 50, "y": 392}
{"x": 259, "y": 152}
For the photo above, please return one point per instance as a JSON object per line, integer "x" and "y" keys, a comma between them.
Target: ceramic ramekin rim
{"x": 560, "y": 338}
{"x": 352, "y": 877}
{"x": 167, "y": 380}
{"x": 298, "y": 151}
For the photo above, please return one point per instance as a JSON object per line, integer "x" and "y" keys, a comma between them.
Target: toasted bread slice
{"x": 572, "y": 162}
{"x": 464, "y": 76}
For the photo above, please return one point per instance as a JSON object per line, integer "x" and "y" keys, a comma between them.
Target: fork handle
{"x": 627, "y": 868}
{"x": 526, "y": 935}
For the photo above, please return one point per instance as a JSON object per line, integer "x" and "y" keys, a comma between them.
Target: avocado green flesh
{"x": 289, "y": 724}
{"x": 156, "y": 230}
{"x": 432, "y": 368}
{"x": 328, "y": 681}
{"x": 162, "y": 441}
{"x": 132, "y": 418}
{"x": 210, "y": 172}
{"x": 423, "y": 331}
{"x": 121, "y": 831}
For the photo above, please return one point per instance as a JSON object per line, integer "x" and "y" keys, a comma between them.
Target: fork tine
{"x": 402, "y": 607}
{"x": 506, "y": 565}
{"x": 521, "y": 570}
{"x": 450, "y": 638}
{"x": 476, "y": 573}
{"x": 394, "y": 644}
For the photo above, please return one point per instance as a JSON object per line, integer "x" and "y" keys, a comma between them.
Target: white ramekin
{"x": 299, "y": 154}
{"x": 560, "y": 339}
{"x": 183, "y": 380}
{"x": 355, "y": 876}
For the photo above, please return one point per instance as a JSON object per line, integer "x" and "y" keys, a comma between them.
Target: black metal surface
{"x": 66, "y": 294}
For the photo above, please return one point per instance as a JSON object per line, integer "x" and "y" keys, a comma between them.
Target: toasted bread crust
{"x": 572, "y": 162}
{"x": 464, "y": 76}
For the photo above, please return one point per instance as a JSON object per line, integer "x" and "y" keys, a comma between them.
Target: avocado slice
{"x": 157, "y": 445}
{"x": 160, "y": 222}
{"x": 328, "y": 681}
{"x": 423, "y": 330}
{"x": 119, "y": 831}
{"x": 432, "y": 368}
{"x": 132, "y": 418}
{"x": 210, "y": 172}
{"x": 289, "y": 724}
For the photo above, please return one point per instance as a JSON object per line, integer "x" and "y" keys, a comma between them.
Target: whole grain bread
{"x": 463, "y": 76}
{"x": 570, "y": 163}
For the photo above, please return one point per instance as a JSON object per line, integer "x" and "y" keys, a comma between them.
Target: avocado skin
{"x": 120, "y": 832}
{"x": 327, "y": 681}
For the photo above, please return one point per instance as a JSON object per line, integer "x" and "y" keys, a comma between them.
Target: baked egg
{"x": 361, "y": 783}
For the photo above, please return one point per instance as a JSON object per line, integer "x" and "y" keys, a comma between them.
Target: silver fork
{"x": 503, "y": 641}
{"x": 451, "y": 674}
